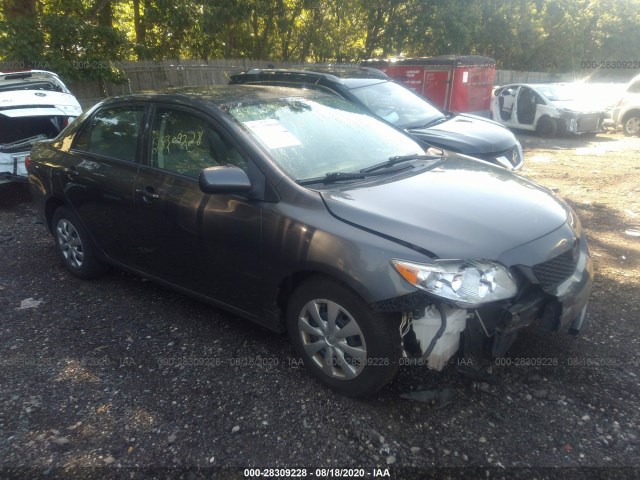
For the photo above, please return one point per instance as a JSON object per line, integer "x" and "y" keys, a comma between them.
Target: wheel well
{"x": 290, "y": 283}
{"x": 633, "y": 111}
{"x": 557, "y": 126}
{"x": 545, "y": 117}
{"x": 50, "y": 207}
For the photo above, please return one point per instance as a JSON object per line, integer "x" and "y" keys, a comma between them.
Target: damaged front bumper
{"x": 553, "y": 296}
{"x": 577, "y": 122}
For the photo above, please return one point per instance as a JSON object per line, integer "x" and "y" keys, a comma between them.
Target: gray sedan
{"x": 304, "y": 213}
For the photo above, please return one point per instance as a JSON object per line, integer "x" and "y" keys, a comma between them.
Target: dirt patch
{"x": 600, "y": 178}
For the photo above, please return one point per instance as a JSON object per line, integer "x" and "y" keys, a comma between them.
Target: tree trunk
{"x": 14, "y": 9}
{"x": 103, "y": 10}
{"x": 137, "y": 22}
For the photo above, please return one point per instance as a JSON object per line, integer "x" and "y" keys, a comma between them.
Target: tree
{"x": 556, "y": 35}
{"x": 21, "y": 40}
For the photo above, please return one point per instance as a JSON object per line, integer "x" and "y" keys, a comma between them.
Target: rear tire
{"x": 547, "y": 127}
{"x": 74, "y": 246}
{"x": 342, "y": 341}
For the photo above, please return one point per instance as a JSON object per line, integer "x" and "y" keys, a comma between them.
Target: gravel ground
{"x": 120, "y": 377}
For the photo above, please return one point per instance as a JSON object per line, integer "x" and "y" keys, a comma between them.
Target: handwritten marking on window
{"x": 182, "y": 141}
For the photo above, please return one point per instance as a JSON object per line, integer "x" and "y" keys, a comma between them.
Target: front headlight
{"x": 468, "y": 283}
{"x": 566, "y": 113}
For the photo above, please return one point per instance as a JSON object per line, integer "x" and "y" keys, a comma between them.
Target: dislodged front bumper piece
{"x": 553, "y": 296}
{"x": 582, "y": 122}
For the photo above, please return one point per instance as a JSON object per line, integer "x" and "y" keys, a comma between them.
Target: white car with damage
{"x": 34, "y": 105}
{"x": 547, "y": 109}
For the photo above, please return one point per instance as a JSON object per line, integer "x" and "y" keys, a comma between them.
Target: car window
{"x": 112, "y": 132}
{"x": 29, "y": 86}
{"x": 397, "y": 104}
{"x": 559, "y": 93}
{"x": 183, "y": 142}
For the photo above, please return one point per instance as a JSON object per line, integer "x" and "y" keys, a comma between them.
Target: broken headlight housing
{"x": 467, "y": 283}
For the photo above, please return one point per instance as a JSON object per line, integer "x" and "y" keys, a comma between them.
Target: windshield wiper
{"x": 399, "y": 159}
{"x": 435, "y": 121}
{"x": 333, "y": 177}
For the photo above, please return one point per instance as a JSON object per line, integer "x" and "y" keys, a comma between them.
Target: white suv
{"x": 627, "y": 112}
{"x": 34, "y": 105}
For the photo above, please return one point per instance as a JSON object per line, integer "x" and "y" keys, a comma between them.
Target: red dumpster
{"x": 453, "y": 83}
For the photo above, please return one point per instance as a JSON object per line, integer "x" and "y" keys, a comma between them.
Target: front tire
{"x": 547, "y": 127}
{"x": 74, "y": 246}
{"x": 631, "y": 124}
{"x": 342, "y": 341}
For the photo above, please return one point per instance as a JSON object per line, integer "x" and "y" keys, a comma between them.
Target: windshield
{"x": 559, "y": 93}
{"x": 397, "y": 105}
{"x": 310, "y": 137}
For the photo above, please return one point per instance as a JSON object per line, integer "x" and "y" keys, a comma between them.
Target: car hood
{"x": 467, "y": 134}
{"x": 461, "y": 209}
{"x": 578, "y": 106}
{"x": 29, "y": 103}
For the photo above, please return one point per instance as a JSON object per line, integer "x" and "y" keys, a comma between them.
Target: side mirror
{"x": 224, "y": 179}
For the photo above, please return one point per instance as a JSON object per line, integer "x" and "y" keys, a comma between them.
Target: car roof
{"x": 218, "y": 95}
{"x": 344, "y": 75}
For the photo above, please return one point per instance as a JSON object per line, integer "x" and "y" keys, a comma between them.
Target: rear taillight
{"x": 27, "y": 162}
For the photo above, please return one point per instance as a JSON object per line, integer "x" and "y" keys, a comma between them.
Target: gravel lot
{"x": 124, "y": 375}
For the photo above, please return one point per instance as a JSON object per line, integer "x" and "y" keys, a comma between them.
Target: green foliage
{"x": 76, "y": 49}
{"x": 21, "y": 41}
{"x": 85, "y": 39}
{"x": 65, "y": 40}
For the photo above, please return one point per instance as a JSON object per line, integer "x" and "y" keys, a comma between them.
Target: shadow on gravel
{"x": 14, "y": 194}
{"x": 563, "y": 142}
{"x": 603, "y": 222}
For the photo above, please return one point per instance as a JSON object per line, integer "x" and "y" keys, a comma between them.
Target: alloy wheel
{"x": 70, "y": 243}
{"x": 632, "y": 126}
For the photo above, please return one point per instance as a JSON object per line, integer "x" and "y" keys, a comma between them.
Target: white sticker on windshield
{"x": 272, "y": 133}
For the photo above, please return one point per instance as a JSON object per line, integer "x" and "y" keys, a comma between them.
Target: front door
{"x": 526, "y": 106}
{"x": 209, "y": 244}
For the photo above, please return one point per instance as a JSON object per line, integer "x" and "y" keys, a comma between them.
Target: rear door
{"x": 507, "y": 106}
{"x": 209, "y": 244}
{"x": 99, "y": 173}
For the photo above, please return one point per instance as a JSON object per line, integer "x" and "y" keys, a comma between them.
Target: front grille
{"x": 588, "y": 123}
{"x": 512, "y": 155}
{"x": 553, "y": 272}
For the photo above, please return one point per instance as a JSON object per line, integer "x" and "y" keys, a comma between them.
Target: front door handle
{"x": 147, "y": 194}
